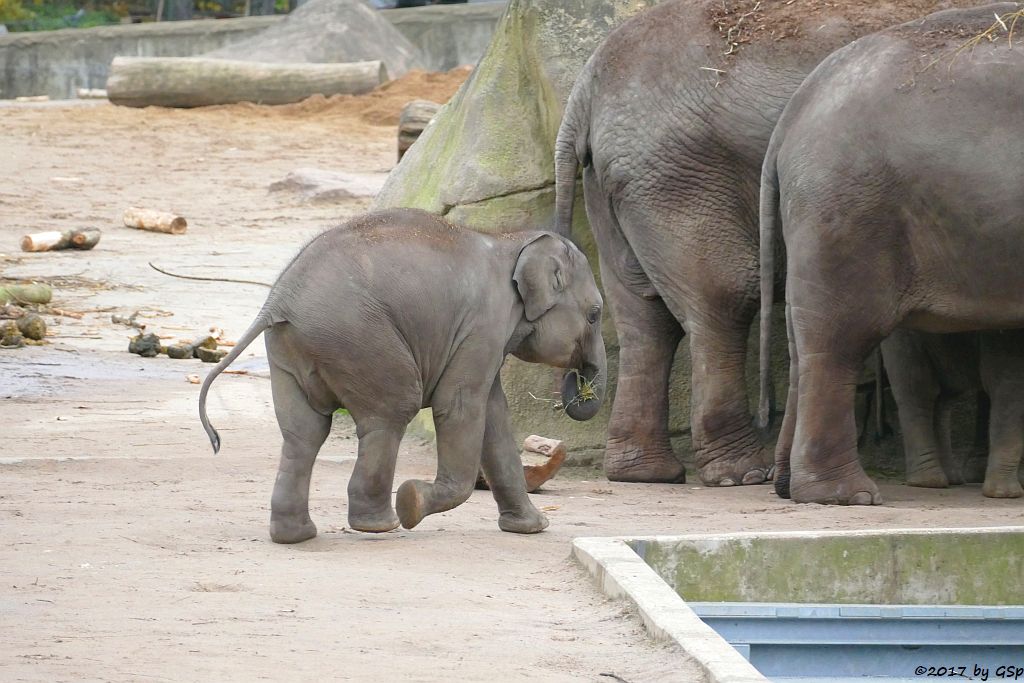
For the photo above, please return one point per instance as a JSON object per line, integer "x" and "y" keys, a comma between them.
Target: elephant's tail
{"x": 262, "y": 322}
{"x": 770, "y": 224}
{"x": 571, "y": 147}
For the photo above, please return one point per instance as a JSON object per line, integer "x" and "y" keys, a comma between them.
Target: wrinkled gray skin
{"x": 400, "y": 310}
{"x": 896, "y": 173}
{"x": 671, "y": 151}
{"x": 927, "y": 372}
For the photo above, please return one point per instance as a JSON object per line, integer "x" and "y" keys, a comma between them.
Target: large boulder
{"x": 487, "y": 162}
{"x": 324, "y": 31}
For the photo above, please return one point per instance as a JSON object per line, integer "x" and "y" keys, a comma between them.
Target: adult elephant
{"x": 670, "y": 119}
{"x": 895, "y": 173}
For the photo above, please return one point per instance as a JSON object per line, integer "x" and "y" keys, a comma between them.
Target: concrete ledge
{"x": 853, "y": 567}
{"x": 55, "y": 63}
{"x": 621, "y": 573}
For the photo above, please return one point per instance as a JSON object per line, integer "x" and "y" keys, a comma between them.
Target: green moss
{"x": 898, "y": 568}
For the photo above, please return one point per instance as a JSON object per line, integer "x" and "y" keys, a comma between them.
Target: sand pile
{"x": 380, "y": 107}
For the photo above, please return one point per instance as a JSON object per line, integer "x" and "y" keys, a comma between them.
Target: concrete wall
{"x": 448, "y": 35}
{"x": 55, "y": 63}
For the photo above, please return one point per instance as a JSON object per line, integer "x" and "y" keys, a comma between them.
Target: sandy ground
{"x": 129, "y": 552}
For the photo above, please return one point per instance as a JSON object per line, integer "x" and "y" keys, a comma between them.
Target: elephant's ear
{"x": 540, "y": 274}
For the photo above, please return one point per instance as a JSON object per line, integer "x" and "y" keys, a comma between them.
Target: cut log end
{"x": 538, "y": 474}
{"x": 52, "y": 240}
{"x": 155, "y": 221}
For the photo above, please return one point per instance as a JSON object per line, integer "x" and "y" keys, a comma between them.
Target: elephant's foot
{"x": 737, "y": 469}
{"x": 930, "y": 477}
{"x": 411, "y": 502}
{"x": 373, "y": 522}
{"x": 1002, "y": 488}
{"x": 530, "y": 521}
{"x": 782, "y": 481}
{"x": 644, "y": 465}
{"x": 291, "y": 529}
{"x": 856, "y": 488}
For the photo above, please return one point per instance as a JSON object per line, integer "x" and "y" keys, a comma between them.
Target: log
{"x": 155, "y": 221}
{"x": 554, "y": 453}
{"x": 415, "y": 117}
{"x": 52, "y": 240}
{"x": 34, "y": 293}
{"x": 199, "y": 81}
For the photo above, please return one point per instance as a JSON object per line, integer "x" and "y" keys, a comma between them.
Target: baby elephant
{"x": 399, "y": 310}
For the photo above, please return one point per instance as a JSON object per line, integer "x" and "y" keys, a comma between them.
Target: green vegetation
{"x": 48, "y": 15}
{"x": 40, "y": 15}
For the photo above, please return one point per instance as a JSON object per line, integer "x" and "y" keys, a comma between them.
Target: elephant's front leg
{"x": 459, "y": 417}
{"x": 504, "y": 469}
{"x": 726, "y": 447}
{"x": 638, "y": 447}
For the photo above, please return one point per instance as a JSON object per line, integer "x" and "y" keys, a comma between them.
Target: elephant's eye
{"x": 594, "y": 314}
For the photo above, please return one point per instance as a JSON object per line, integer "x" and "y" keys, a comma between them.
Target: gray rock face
{"x": 322, "y": 31}
{"x": 323, "y": 187}
{"x": 487, "y": 162}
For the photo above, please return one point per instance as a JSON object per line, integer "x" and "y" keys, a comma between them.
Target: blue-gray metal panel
{"x": 841, "y": 631}
{"x": 792, "y": 609}
{"x": 800, "y": 662}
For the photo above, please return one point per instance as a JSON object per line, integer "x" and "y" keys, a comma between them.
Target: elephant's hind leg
{"x": 638, "y": 448}
{"x": 1002, "y": 372}
{"x": 916, "y": 388}
{"x": 369, "y": 488}
{"x": 784, "y": 445}
{"x": 825, "y": 465}
{"x": 304, "y": 430}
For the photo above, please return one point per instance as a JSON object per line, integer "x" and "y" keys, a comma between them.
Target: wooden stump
{"x": 553, "y": 454}
{"x": 199, "y": 81}
{"x": 415, "y": 117}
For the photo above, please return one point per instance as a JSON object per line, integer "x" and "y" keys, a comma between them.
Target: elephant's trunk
{"x": 583, "y": 389}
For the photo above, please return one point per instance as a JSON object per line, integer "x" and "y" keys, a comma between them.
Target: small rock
{"x": 319, "y": 186}
{"x": 179, "y": 351}
{"x": 32, "y": 326}
{"x": 146, "y": 345}
{"x": 10, "y": 336}
{"x": 210, "y": 355}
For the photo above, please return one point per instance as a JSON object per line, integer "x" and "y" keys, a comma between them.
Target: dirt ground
{"x": 128, "y": 551}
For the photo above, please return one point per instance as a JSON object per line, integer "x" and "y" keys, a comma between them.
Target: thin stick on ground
{"x": 209, "y": 279}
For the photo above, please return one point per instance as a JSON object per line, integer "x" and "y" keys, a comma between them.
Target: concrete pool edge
{"x": 622, "y": 574}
